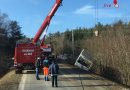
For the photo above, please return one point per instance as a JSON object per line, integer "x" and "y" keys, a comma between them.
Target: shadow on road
{"x": 74, "y": 73}
{"x": 102, "y": 85}
{"x": 79, "y": 78}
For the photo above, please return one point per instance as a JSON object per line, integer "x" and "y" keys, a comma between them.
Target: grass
{"x": 10, "y": 81}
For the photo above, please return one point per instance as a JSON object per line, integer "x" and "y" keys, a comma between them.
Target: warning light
{"x": 116, "y": 3}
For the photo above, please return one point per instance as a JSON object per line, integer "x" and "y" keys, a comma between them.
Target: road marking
{"x": 22, "y": 82}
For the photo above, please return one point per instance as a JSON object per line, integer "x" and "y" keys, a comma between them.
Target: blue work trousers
{"x": 37, "y": 73}
{"x": 46, "y": 78}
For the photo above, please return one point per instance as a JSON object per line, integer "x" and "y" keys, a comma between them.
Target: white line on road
{"x": 22, "y": 82}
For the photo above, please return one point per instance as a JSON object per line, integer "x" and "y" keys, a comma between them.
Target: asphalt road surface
{"x": 70, "y": 78}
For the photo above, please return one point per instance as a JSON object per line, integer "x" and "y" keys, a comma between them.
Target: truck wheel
{"x": 18, "y": 71}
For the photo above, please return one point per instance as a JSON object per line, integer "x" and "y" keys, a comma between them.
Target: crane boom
{"x": 47, "y": 21}
{"x": 42, "y": 42}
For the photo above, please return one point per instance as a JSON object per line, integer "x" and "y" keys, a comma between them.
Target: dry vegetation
{"x": 5, "y": 60}
{"x": 10, "y": 81}
{"x": 110, "y": 50}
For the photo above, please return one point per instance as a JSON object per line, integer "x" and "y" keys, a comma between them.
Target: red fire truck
{"x": 26, "y": 54}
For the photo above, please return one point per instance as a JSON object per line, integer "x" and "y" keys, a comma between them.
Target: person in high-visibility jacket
{"x": 46, "y": 68}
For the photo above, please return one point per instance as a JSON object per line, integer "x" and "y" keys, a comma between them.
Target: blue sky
{"x": 74, "y": 13}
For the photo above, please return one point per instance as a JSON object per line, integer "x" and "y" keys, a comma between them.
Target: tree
{"x": 57, "y": 34}
{"x": 15, "y": 30}
{"x": 14, "y": 34}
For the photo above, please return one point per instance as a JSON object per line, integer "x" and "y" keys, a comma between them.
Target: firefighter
{"x": 54, "y": 72}
{"x": 37, "y": 66}
{"x": 46, "y": 68}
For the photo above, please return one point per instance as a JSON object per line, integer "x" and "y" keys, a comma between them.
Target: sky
{"x": 30, "y": 14}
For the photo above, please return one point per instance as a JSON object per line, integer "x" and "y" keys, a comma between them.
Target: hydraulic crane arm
{"x": 42, "y": 42}
{"x": 47, "y": 21}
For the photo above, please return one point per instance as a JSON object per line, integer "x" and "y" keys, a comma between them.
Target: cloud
{"x": 88, "y": 9}
{"x": 101, "y": 12}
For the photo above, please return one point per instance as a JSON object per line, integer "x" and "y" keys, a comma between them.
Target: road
{"x": 69, "y": 79}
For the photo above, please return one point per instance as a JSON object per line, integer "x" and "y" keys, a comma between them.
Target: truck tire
{"x": 18, "y": 71}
